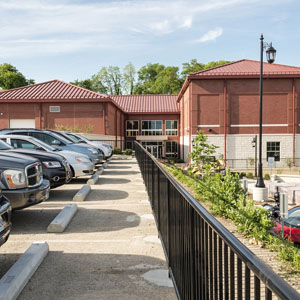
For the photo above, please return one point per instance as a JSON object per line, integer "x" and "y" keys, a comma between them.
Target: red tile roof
{"x": 244, "y": 68}
{"x": 247, "y": 67}
{"x": 51, "y": 90}
{"x": 147, "y": 103}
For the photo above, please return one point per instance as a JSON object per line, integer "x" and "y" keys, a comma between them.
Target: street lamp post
{"x": 271, "y": 54}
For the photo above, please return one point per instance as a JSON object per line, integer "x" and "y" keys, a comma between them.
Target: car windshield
{"x": 74, "y": 138}
{"x": 43, "y": 145}
{"x": 78, "y": 138}
{"x": 293, "y": 217}
{"x": 4, "y": 146}
{"x": 61, "y": 138}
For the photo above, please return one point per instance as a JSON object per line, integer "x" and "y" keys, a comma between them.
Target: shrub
{"x": 128, "y": 151}
{"x": 250, "y": 175}
{"x": 267, "y": 177}
{"x": 117, "y": 150}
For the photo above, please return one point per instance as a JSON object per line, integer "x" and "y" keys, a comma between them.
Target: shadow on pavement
{"x": 118, "y": 167}
{"x": 95, "y": 276}
{"x": 120, "y": 173}
{"x": 99, "y": 195}
{"x": 105, "y": 180}
{"x": 86, "y": 220}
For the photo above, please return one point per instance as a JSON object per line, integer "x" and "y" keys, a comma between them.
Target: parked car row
{"x": 33, "y": 161}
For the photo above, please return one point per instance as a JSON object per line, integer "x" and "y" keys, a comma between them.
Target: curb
{"x": 93, "y": 179}
{"x": 62, "y": 220}
{"x": 99, "y": 171}
{"x": 15, "y": 279}
{"x": 82, "y": 193}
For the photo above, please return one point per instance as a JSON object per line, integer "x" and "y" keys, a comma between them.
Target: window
{"x": 171, "y": 149}
{"x": 171, "y": 127}
{"x": 151, "y": 127}
{"x": 46, "y": 138}
{"x": 54, "y": 108}
{"x": 132, "y": 128}
{"x": 130, "y": 145}
{"x": 273, "y": 150}
{"x": 22, "y": 144}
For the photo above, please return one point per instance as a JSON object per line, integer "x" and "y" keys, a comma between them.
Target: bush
{"x": 267, "y": 177}
{"x": 117, "y": 150}
{"x": 128, "y": 151}
{"x": 250, "y": 175}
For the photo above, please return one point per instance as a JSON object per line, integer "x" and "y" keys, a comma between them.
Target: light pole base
{"x": 260, "y": 194}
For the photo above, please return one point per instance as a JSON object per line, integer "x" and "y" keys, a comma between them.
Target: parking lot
{"x": 107, "y": 249}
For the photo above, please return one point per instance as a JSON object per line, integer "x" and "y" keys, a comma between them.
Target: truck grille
{"x": 34, "y": 174}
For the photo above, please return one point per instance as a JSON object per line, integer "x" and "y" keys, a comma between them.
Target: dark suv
{"x": 21, "y": 180}
{"x": 57, "y": 141}
{"x": 55, "y": 168}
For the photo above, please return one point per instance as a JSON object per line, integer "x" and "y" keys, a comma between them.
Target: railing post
{"x": 158, "y": 200}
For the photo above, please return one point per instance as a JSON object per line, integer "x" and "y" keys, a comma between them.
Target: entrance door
{"x": 155, "y": 150}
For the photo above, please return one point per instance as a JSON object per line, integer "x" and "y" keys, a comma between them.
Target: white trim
{"x": 208, "y": 125}
{"x": 257, "y": 125}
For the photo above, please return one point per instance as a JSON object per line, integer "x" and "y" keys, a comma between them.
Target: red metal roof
{"x": 147, "y": 103}
{"x": 51, "y": 90}
{"x": 247, "y": 67}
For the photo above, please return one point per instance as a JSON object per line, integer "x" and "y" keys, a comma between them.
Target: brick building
{"x": 222, "y": 101}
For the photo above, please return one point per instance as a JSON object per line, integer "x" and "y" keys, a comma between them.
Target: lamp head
{"x": 271, "y": 54}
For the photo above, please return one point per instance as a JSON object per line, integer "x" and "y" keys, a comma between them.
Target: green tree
{"x": 213, "y": 64}
{"x": 86, "y": 84}
{"x": 108, "y": 81}
{"x": 167, "y": 82}
{"x": 11, "y": 78}
{"x": 202, "y": 151}
{"x": 128, "y": 79}
{"x": 191, "y": 67}
{"x": 158, "y": 79}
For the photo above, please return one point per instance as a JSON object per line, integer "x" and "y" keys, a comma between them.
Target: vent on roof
{"x": 54, "y": 108}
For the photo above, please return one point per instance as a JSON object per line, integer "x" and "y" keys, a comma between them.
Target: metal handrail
{"x": 271, "y": 280}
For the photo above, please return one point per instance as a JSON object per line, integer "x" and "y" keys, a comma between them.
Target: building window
{"x": 151, "y": 127}
{"x": 171, "y": 149}
{"x": 273, "y": 150}
{"x": 132, "y": 128}
{"x": 54, "y": 108}
{"x": 130, "y": 145}
{"x": 171, "y": 127}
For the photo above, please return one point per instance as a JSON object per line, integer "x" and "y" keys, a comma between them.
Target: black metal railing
{"x": 205, "y": 260}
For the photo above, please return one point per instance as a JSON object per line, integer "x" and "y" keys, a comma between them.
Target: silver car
{"x": 80, "y": 163}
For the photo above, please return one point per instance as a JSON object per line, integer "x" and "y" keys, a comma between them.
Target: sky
{"x": 73, "y": 39}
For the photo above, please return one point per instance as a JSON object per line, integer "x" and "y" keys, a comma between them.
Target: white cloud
{"x": 211, "y": 35}
{"x": 64, "y": 26}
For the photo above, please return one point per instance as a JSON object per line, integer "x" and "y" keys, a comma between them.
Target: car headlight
{"x": 15, "y": 179}
{"x": 82, "y": 159}
{"x": 106, "y": 146}
{"x": 94, "y": 151}
{"x": 52, "y": 164}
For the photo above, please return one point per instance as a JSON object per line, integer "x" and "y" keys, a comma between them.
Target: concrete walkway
{"x": 109, "y": 250}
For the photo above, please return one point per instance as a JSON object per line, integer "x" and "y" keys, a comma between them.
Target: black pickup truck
{"x": 21, "y": 180}
{"x": 5, "y": 218}
{"x": 55, "y": 167}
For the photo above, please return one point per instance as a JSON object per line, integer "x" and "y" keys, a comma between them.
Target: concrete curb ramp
{"x": 93, "y": 179}
{"x": 82, "y": 193}
{"x": 100, "y": 171}
{"x": 63, "y": 219}
{"x": 13, "y": 282}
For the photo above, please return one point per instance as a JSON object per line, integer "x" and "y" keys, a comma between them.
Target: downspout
{"x": 116, "y": 128}
{"x": 41, "y": 116}
{"x": 104, "y": 118}
{"x": 225, "y": 120}
{"x": 293, "y": 120}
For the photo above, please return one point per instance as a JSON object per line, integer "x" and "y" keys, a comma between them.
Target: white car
{"x": 105, "y": 148}
{"x": 80, "y": 164}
